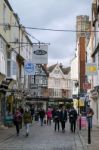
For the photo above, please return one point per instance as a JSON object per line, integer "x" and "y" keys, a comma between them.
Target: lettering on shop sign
{"x": 40, "y": 52}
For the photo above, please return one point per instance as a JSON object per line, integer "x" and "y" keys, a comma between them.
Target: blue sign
{"x": 29, "y": 68}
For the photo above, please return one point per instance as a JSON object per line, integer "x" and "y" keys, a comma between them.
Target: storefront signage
{"x": 40, "y": 54}
{"x": 91, "y": 69}
{"x": 29, "y": 68}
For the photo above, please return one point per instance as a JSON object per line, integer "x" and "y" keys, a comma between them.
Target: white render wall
{"x": 74, "y": 75}
{"x": 59, "y": 81}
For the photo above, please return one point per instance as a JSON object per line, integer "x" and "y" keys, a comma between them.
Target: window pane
{"x": 8, "y": 68}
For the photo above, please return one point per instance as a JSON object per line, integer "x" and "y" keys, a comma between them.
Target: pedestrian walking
{"x": 27, "y": 120}
{"x": 56, "y": 117}
{"x": 32, "y": 112}
{"x": 63, "y": 118}
{"x": 22, "y": 112}
{"x": 41, "y": 115}
{"x": 49, "y": 116}
{"x": 89, "y": 115}
{"x": 72, "y": 119}
{"x": 17, "y": 118}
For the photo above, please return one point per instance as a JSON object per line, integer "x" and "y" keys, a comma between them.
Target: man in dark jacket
{"x": 56, "y": 117}
{"x": 63, "y": 118}
{"x": 42, "y": 115}
{"x": 72, "y": 119}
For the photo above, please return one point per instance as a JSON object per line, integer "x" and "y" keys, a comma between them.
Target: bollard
{"x": 80, "y": 123}
{"x": 89, "y": 132}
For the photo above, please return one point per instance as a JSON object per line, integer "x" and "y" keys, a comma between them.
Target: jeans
{"x": 56, "y": 124}
{"x": 63, "y": 125}
{"x": 17, "y": 127}
{"x": 41, "y": 120}
{"x": 48, "y": 121}
{"x": 73, "y": 125}
{"x": 27, "y": 125}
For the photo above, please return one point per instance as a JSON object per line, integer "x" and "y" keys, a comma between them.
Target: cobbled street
{"x": 43, "y": 138}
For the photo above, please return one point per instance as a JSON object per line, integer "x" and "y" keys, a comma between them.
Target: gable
{"x": 57, "y": 73}
{"x": 40, "y": 71}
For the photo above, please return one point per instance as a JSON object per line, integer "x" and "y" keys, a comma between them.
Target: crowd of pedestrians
{"x": 59, "y": 116}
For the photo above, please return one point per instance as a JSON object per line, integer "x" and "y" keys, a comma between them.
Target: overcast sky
{"x": 55, "y": 14}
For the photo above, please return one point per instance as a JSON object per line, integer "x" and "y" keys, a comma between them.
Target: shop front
{"x": 94, "y": 103}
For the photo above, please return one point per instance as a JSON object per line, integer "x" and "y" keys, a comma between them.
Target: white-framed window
{"x": 57, "y": 93}
{"x": 57, "y": 83}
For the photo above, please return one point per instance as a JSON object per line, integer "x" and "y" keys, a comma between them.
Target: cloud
{"x": 56, "y": 14}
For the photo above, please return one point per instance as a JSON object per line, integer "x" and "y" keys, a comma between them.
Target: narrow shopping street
{"x": 42, "y": 138}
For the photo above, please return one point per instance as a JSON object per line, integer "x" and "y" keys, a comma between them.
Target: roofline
{"x": 95, "y": 51}
{"x": 8, "y": 4}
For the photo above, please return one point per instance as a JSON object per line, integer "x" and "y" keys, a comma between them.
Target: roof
{"x": 64, "y": 70}
{"x": 96, "y": 50}
{"x": 8, "y": 4}
{"x": 45, "y": 69}
{"x": 50, "y": 69}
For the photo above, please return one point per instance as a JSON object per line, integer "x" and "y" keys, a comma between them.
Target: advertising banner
{"x": 40, "y": 54}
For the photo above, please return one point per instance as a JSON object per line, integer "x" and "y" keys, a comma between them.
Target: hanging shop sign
{"x": 40, "y": 54}
{"x": 94, "y": 94}
{"x": 86, "y": 86}
{"x": 29, "y": 68}
{"x": 91, "y": 69}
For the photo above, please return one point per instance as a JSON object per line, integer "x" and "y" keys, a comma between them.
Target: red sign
{"x": 86, "y": 86}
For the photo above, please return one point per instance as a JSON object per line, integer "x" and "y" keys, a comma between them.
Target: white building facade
{"x": 59, "y": 83}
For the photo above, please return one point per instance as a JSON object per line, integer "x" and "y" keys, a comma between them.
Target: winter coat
{"x": 27, "y": 117}
{"x": 90, "y": 112}
{"x": 17, "y": 118}
{"x": 56, "y": 115}
{"x": 42, "y": 113}
{"x": 49, "y": 114}
{"x": 72, "y": 115}
{"x": 63, "y": 115}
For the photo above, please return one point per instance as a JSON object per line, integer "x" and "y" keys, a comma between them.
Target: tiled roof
{"x": 51, "y": 67}
{"x": 64, "y": 70}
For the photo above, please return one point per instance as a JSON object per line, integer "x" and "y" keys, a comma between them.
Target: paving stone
{"x": 43, "y": 138}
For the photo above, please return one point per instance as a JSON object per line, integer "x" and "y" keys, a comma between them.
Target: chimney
{"x": 61, "y": 66}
